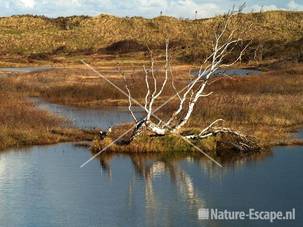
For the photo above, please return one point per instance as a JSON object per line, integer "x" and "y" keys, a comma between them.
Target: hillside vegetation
{"x": 274, "y": 34}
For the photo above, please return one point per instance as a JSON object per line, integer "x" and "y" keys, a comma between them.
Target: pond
{"x": 6, "y": 72}
{"x": 90, "y": 118}
{"x": 300, "y": 134}
{"x": 233, "y": 72}
{"x": 33, "y": 69}
{"x": 44, "y": 186}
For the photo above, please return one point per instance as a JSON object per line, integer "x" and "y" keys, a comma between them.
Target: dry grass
{"x": 221, "y": 145}
{"x": 268, "y": 106}
{"x": 79, "y": 86}
{"x": 22, "y": 124}
{"x": 148, "y": 144}
{"x": 29, "y": 39}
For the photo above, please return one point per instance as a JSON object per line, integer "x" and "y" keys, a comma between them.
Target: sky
{"x": 145, "y": 8}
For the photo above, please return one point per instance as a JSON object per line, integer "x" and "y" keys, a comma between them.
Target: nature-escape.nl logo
{"x": 250, "y": 214}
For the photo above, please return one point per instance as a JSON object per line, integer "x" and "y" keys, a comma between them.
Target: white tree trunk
{"x": 225, "y": 42}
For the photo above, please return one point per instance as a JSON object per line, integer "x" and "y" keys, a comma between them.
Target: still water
{"x": 45, "y": 186}
{"x": 25, "y": 69}
{"x": 90, "y": 118}
{"x": 233, "y": 72}
{"x": 6, "y": 72}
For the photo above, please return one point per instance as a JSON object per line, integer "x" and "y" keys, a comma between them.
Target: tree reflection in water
{"x": 150, "y": 166}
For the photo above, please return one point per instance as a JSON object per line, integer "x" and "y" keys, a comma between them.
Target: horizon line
{"x": 150, "y": 18}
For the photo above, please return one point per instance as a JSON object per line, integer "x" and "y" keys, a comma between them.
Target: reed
{"x": 21, "y": 124}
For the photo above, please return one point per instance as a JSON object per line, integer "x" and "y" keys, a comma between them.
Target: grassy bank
{"x": 21, "y": 123}
{"x": 221, "y": 145}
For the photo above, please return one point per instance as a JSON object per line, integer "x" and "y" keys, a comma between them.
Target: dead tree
{"x": 225, "y": 41}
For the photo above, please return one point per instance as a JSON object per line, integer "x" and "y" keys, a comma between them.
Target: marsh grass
{"x": 148, "y": 144}
{"x": 266, "y": 107}
{"x": 220, "y": 145}
{"x": 21, "y": 124}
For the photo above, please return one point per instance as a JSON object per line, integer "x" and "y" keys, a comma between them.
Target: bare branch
{"x": 155, "y": 95}
{"x": 206, "y": 95}
{"x": 166, "y": 70}
{"x": 148, "y": 89}
{"x": 129, "y": 99}
{"x": 173, "y": 83}
{"x": 210, "y": 126}
{"x": 239, "y": 57}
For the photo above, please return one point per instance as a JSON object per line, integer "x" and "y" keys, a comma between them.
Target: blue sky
{"x": 146, "y": 8}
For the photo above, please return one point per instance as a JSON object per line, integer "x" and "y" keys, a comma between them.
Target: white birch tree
{"x": 226, "y": 40}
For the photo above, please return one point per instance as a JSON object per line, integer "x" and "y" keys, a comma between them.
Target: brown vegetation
{"x": 28, "y": 39}
{"x": 267, "y": 106}
{"x": 221, "y": 145}
{"x": 22, "y": 124}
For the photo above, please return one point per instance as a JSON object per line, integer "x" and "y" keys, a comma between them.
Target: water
{"x": 25, "y": 69}
{"x": 300, "y": 135}
{"x": 44, "y": 186}
{"x": 90, "y": 118}
{"x": 234, "y": 72}
{"x": 230, "y": 72}
{"x": 6, "y": 72}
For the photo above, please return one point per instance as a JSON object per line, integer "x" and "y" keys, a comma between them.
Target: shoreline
{"x": 60, "y": 136}
{"x": 83, "y": 141}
